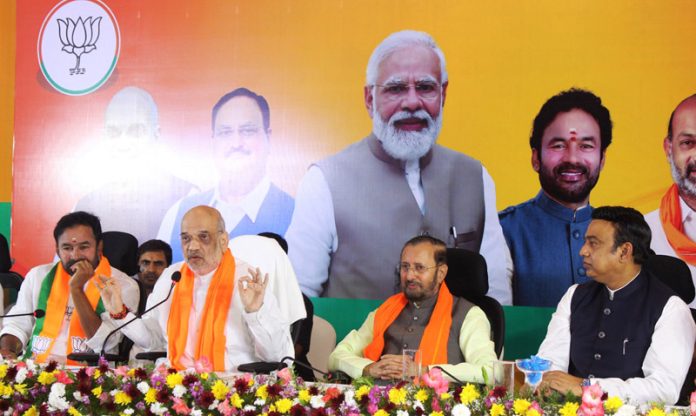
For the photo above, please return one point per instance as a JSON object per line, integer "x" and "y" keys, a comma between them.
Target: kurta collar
{"x": 559, "y": 211}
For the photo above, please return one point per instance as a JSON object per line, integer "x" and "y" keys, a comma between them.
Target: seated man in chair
{"x": 217, "y": 281}
{"x": 449, "y": 331}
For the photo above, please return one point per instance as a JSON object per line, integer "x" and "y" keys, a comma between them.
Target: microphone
{"x": 327, "y": 376}
{"x": 39, "y": 313}
{"x": 456, "y": 380}
{"x": 92, "y": 357}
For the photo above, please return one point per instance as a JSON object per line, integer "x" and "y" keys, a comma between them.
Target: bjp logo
{"x": 78, "y": 38}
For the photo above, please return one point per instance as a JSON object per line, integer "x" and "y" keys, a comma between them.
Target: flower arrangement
{"x": 30, "y": 389}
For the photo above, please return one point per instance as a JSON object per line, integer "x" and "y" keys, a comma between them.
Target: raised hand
{"x": 110, "y": 290}
{"x": 251, "y": 289}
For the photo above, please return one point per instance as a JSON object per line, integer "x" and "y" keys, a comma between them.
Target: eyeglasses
{"x": 427, "y": 90}
{"x": 417, "y": 268}
{"x": 243, "y": 132}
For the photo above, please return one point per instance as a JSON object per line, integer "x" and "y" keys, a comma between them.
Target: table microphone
{"x": 327, "y": 376}
{"x": 456, "y": 380}
{"x": 39, "y": 313}
{"x": 92, "y": 357}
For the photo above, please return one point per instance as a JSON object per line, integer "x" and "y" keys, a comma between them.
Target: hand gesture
{"x": 110, "y": 290}
{"x": 82, "y": 271}
{"x": 251, "y": 289}
{"x": 388, "y": 367}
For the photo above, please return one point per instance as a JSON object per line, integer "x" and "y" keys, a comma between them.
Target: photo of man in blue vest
{"x": 624, "y": 330}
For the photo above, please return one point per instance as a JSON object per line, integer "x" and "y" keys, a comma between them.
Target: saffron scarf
{"x": 671, "y": 218}
{"x": 433, "y": 345}
{"x": 53, "y": 298}
{"x": 212, "y": 341}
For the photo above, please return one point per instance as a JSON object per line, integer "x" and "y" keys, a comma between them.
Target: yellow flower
{"x": 7, "y": 391}
{"x": 3, "y": 370}
{"x": 569, "y": 409}
{"x": 520, "y": 406}
{"x": 236, "y": 401}
{"x": 150, "y": 396}
{"x": 97, "y": 391}
{"x": 96, "y": 374}
{"x": 469, "y": 394}
{"x": 251, "y": 382}
{"x": 283, "y": 405}
{"x": 380, "y": 412}
{"x": 612, "y": 404}
{"x": 445, "y": 396}
{"x": 421, "y": 395}
{"x": 122, "y": 398}
{"x": 21, "y": 388}
{"x": 656, "y": 411}
{"x": 30, "y": 412}
{"x": 262, "y": 392}
{"x": 74, "y": 412}
{"x": 131, "y": 372}
{"x": 498, "y": 409}
{"x": 437, "y": 414}
{"x": 532, "y": 412}
{"x": 362, "y": 390}
{"x": 304, "y": 396}
{"x": 397, "y": 396}
{"x": 220, "y": 390}
{"x": 203, "y": 376}
{"x": 46, "y": 378}
{"x": 174, "y": 380}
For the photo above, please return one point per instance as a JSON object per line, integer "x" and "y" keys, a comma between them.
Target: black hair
{"x": 440, "y": 253}
{"x": 629, "y": 227}
{"x": 78, "y": 218}
{"x": 156, "y": 245}
{"x": 244, "y": 92}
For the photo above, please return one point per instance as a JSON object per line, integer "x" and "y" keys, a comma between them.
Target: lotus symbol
{"x": 78, "y": 38}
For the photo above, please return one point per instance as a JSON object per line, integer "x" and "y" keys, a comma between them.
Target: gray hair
{"x": 399, "y": 40}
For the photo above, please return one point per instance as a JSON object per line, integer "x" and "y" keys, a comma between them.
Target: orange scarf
{"x": 433, "y": 345}
{"x": 55, "y": 310}
{"x": 211, "y": 341}
{"x": 671, "y": 218}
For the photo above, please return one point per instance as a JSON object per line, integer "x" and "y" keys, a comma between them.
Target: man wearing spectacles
{"x": 448, "y": 331}
{"x": 224, "y": 309}
{"x": 244, "y": 195}
{"x": 356, "y": 208}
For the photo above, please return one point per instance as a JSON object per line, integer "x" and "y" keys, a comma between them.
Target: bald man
{"x": 137, "y": 189}
{"x": 673, "y": 225}
{"x": 258, "y": 305}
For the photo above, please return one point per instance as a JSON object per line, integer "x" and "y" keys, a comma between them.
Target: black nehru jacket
{"x": 610, "y": 336}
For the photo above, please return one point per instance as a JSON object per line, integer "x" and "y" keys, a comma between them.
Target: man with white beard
{"x": 673, "y": 225}
{"x": 355, "y": 210}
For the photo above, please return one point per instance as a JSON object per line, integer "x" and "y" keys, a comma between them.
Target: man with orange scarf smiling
{"x": 449, "y": 331}
{"x": 223, "y": 311}
{"x": 673, "y": 225}
{"x": 67, "y": 292}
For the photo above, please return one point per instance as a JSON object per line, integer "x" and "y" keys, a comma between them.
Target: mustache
{"x": 237, "y": 149}
{"x": 571, "y": 166}
{"x": 404, "y": 114}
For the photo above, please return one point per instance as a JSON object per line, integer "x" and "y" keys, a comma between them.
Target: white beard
{"x": 684, "y": 183}
{"x": 406, "y": 145}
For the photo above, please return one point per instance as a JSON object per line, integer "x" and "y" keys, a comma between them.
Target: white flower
{"x": 143, "y": 387}
{"x": 179, "y": 390}
{"x": 129, "y": 411}
{"x": 626, "y": 410}
{"x": 349, "y": 398}
{"x": 248, "y": 408}
{"x": 259, "y": 401}
{"x": 21, "y": 375}
{"x": 78, "y": 396}
{"x": 401, "y": 413}
{"x": 461, "y": 410}
{"x": 417, "y": 404}
{"x": 196, "y": 412}
{"x": 316, "y": 402}
{"x": 214, "y": 404}
{"x": 56, "y": 398}
{"x": 30, "y": 364}
{"x": 157, "y": 408}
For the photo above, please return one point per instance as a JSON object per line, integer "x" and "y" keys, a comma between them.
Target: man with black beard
{"x": 673, "y": 225}
{"x": 569, "y": 139}
{"x": 354, "y": 210}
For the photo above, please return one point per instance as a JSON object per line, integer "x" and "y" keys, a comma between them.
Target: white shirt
{"x": 659, "y": 242}
{"x": 231, "y": 213}
{"x": 28, "y": 301}
{"x": 666, "y": 361}
{"x": 314, "y": 217}
{"x": 259, "y": 336}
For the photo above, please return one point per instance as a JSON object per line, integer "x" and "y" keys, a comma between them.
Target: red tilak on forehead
{"x": 573, "y": 134}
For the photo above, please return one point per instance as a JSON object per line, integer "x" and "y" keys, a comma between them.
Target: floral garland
{"x": 30, "y": 389}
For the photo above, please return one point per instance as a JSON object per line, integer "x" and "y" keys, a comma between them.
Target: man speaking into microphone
{"x": 225, "y": 309}
{"x": 67, "y": 293}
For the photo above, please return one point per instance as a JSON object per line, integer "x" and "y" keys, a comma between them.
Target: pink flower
{"x": 90, "y": 371}
{"x": 285, "y": 375}
{"x": 434, "y": 379}
{"x": 121, "y": 371}
{"x": 536, "y": 407}
{"x": 592, "y": 401}
{"x": 180, "y": 407}
{"x": 62, "y": 377}
{"x": 225, "y": 408}
{"x": 203, "y": 365}
{"x": 692, "y": 403}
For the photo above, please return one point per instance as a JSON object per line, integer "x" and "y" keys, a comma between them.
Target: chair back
{"x": 467, "y": 277}
{"x": 674, "y": 273}
{"x": 122, "y": 251}
{"x": 322, "y": 344}
{"x": 11, "y": 281}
